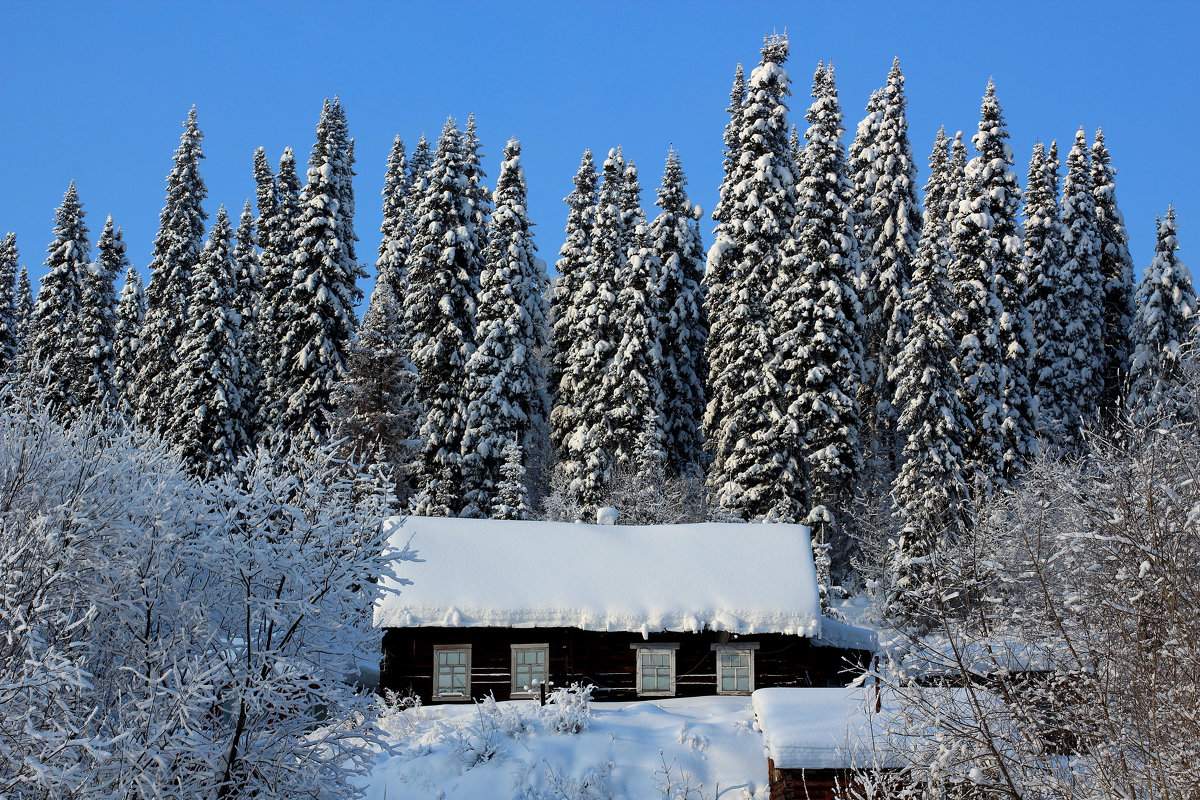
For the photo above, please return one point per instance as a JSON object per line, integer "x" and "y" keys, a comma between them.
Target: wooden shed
{"x": 498, "y": 607}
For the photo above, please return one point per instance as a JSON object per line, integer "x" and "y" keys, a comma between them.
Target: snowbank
{"x": 494, "y": 573}
{"x": 819, "y": 728}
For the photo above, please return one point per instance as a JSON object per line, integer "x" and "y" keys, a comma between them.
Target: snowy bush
{"x": 171, "y": 638}
{"x": 568, "y": 710}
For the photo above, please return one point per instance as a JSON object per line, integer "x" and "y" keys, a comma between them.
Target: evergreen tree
{"x": 418, "y": 169}
{"x": 586, "y": 460}
{"x": 632, "y": 387}
{"x": 318, "y": 321}
{"x": 930, "y": 490}
{"x": 248, "y": 303}
{"x": 97, "y": 320}
{"x": 992, "y": 323}
{"x": 176, "y": 250}
{"x": 888, "y": 235}
{"x": 818, "y": 353}
{"x": 25, "y": 316}
{"x": 754, "y": 219}
{"x": 439, "y": 314}
{"x": 9, "y": 323}
{"x": 1116, "y": 267}
{"x": 506, "y": 393}
{"x": 397, "y": 221}
{"x": 572, "y": 267}
{"x": 209, "y": 413}
{"x": 733, "y": 139}
{"x": 683, "y": 324}
{"x": 1164, "y": 322}
{"x": 1081, "y": 375}
{"x": 131, "y": 310}
{"x": 376, "y": 404}
{"x": 58, "y": 365}
{"x": 479, "y": 198}
{"x": 795, "y": 147}
{"x": 339, "y": 157}
{"x": 510, "y": 501}
{"x": 861, "y": 163}
{"x": 956, "y": 185}
{"x": 1045, "y": 256}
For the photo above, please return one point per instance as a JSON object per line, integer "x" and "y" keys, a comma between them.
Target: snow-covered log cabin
{"x": 638, "y": 611}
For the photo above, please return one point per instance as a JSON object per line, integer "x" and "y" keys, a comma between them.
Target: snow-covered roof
{"x": 806, "y": 728}
{"x": 492, "y": 573}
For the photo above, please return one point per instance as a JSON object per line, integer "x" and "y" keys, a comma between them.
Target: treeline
{"x": 843, "y": 344}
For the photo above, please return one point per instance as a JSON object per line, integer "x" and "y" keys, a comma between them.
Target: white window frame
{"x": 518, "y": 689}
{"x": 667, "y": 648}
{"x": 463, "y": 696}
{"x": 739, "y": 647}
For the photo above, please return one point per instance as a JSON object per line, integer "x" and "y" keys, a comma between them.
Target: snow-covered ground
{"x": 709, "y": 742}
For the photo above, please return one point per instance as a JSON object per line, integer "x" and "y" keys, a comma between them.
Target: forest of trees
{"x": 847, "y": 350}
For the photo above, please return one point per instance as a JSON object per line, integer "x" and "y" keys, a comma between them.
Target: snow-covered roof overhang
{"x": 814, "y": 728}
{"x": 744, "y": 579}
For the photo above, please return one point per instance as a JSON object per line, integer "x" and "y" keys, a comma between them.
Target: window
{"x": 735, "y": 667}
{"x": 452, "y": 671}
{"x": 529, "y": 664}
{"x": 656, "y": 669}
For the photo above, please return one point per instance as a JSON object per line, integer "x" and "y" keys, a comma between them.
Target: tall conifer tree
{"x": 861, "y": 163}
{"x": 397, "y": 221}
{"x": 59, "y": 369}
{"x": 176, "y": 250}
{"x": 25, "y": 316}
{"x": 439, "y": 313}
{"x": 318, "y": 322}
{"x": 1045, "y": 256}
{"x": 479, "y": 198}
{"x": 993, "y": 325}
{"x": 209, "y": 414}
{"x": 131, "y": 311}
{"x": 930, "y": 489}
{"x": 887, "y": 245}
{"x": 818, "y": 359}
{"x": 572, "y": 267}
{"x": 754, "y": 220}
{"x": 683, "y": 324}
{"x": 1081, "y": 375}
{"x": 1164, "y": 323}
{"x": 1116, "y": 266}
{"x": 248, "y": 303}
{"x": 9, "y": 323}
{"x": 506, "y": 393}
{"x": 97, "y": 329}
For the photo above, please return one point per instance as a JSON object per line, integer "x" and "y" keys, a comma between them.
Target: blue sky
{"x": 97, "y": 92}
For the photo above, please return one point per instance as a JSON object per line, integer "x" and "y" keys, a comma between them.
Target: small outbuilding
{"x": 500, "y": 607}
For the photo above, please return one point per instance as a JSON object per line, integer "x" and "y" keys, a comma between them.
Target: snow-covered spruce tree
{"x": 25, "y": 316}
{"x": 887, "y": 246}
{"x": 956, "y": 185}
{"x": 795, "y": 147}
{"x": 505, "y": 388}
{"x": 992, "y": 323}
{"x": 278, "y": 199}
{"x": 572, "y": 267}
{"x": 632, "y": 384}
{"x": 818, "y": 351}
{"x": 57, "y": 365}
{"x": 418, "y": 169}
{"x": 683, "y": 324}
{"x": 930, "y": 490}
{"x": 376, "y": 403}
{"x": 509, "y": 499}
{"x": 97, "y": 318}
{"x": 210, "y": 419}
{"x": 176, "y": 250}
{"x": 439, "y": 316}
{"x": 1116, "y": 266}
{"x": 753, "y": 221}
{"x": 131, "y": 311}
{"x": 586, "y": 460}
{"x": 861, "y": 163}
{"x": 396, "y": 228}
{"x": 1081, "y": 375}
{"x": 248, "y": 303}
{"x": 1045, "y": 257}
{"x": 9, "y": 331}
{"x": 340, "y": 159}
{"x": 1164, "y": 322}
{"x": 479, "y": 198}
{"x": 318, "y": 319}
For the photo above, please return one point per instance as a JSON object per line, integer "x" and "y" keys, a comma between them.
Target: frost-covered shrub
{"x": 481, "y": 739}
{"x": 568, "y": 710}
{"x": 596, "y": 784}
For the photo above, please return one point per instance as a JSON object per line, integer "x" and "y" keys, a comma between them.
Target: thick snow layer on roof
{"x": 821, "y": 728}
{"x": 494, "y": 573}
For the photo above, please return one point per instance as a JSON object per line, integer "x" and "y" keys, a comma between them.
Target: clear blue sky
{"x": 97, "y": 91}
